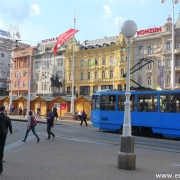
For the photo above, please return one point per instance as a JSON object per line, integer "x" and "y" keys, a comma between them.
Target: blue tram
{"x": 152, "y": 112}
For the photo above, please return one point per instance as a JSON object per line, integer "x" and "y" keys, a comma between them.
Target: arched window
{"x": 82, "y": 63}
{"x": 82, "y": 76}
{"x": 95, "y": 75}
{"x": 111, "y": 74}
{"x": 103, "y": 60}
{"x": 89, "y": 75}
{"x": 103, "y": 74}
{"x": 122, "y": 73}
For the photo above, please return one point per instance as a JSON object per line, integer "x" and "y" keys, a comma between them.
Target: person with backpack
{"x": 5, "y": 124}
{"x": 32, "y": 122}
{"x": 50, "y": 124}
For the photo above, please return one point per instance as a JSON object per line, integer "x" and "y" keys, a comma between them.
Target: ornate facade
{"x": 99, "y": 64}
{"x": 157, "y": 46}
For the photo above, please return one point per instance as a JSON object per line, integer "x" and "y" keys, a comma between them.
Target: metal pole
{"x": 172, "y": 63}
{"x": 29, "y": 86}
{"x": 127, "y": 115}
{"x": 12, "y": 66}
{"x": 72, "y": 98}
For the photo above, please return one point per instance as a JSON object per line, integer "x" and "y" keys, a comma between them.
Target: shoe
{"x": 53, "y": 136}
{"x": 38, "y": 140}
{"x": 23, "y": 140}
{"x": 48, "y": 138}
{"x": 86, "y": 125}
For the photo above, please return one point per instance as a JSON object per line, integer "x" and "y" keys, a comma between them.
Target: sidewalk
{"x": 70, "y": 159}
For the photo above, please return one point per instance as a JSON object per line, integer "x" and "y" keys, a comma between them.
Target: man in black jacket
{"x": 5, "y": 124}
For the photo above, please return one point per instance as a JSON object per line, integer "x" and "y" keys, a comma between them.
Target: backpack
{"x": 33, "y": 121}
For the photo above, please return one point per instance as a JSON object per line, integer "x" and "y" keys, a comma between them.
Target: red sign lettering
{"x": 149, "y": 31}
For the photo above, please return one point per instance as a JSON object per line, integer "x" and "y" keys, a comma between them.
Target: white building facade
{"x": 48, "y": 66}
{"x": 156, "y": 44}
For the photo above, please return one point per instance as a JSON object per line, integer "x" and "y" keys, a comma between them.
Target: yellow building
{"x": 99, "y": 64}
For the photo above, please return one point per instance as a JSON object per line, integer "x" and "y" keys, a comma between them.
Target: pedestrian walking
{"x": 83, "y": 118}
{"x": 50, "y": 124}
{"x": 38, "y": 113}
{"x": 55, "y": 112}
{"x": 79, "y": 115}
{"x": 31, "y": 126}
{"x": 20, "y": 111}
{"x": 5, "y": 124}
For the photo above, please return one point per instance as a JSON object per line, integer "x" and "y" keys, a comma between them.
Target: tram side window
{"x": 122, "y": 99}
{"x": 169, "y": 103}
{"x": 108, "y": 102}
{"x": 147, "y": 102}
{"x": 95, "y": 102}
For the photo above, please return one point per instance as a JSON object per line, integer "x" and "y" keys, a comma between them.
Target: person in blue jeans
{"x": 30, "y": 126}
{"x": 50, "y": 124}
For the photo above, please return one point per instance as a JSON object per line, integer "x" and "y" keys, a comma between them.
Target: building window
{"x": 95, "y": 75}
{"x": 89, "y": 75}
{"x": 107, "y": 87}
{"x": 84, "y": 90}
{"x": 60, "y": 62}
{"x": 2, "y": 54}
{"x": 122, "y": 73}
{"x": 168, "y": 80}
{"x": 82, "y": 76}
{"x": 103, "y": 60}
{"x": 168, "y": 46}
{"x": 95, "y": 88}
{"x": 149, "y": 81}
{"x": 122, "y": 57}
{"x": 149, "y": 66}
{"x": 82, "y": 63}
{"x": 178, "y": 45}
{"x": 89, "y": 62}
{"x": 141, "y": 51}
{"x": 111, "y": 74}
{"x": 24, "y": 83}
{"x": 168, "y": 63}
{"x": 103, "y": 75}
{"x": 68, "y": 90}
{"x": 96, "y": 61}
{"x": 149, "y": 49}
{"x": 120, "y": 87}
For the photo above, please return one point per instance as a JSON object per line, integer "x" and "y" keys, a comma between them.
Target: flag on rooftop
{"x": 64, "y": 37}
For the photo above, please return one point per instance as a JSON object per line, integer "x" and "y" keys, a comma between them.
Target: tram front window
{"x": 108, "y": 102}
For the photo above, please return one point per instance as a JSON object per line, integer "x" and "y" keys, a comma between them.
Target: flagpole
{"x": 72, "y": 98}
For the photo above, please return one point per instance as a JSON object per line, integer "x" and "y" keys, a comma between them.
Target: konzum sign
{"x": 149, "y": 31}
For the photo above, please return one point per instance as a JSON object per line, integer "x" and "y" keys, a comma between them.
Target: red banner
{"x": 64, "y": 37}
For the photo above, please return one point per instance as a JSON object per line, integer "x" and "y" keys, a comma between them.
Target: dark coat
{"x": 5, "y": 124}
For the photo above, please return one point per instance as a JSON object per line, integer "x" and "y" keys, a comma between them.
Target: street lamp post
{"x": 13, "y": 32}
{"x": 173, "y": 60}
{"x": 73, "y": 71}
{"x": 126, "y": 157}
